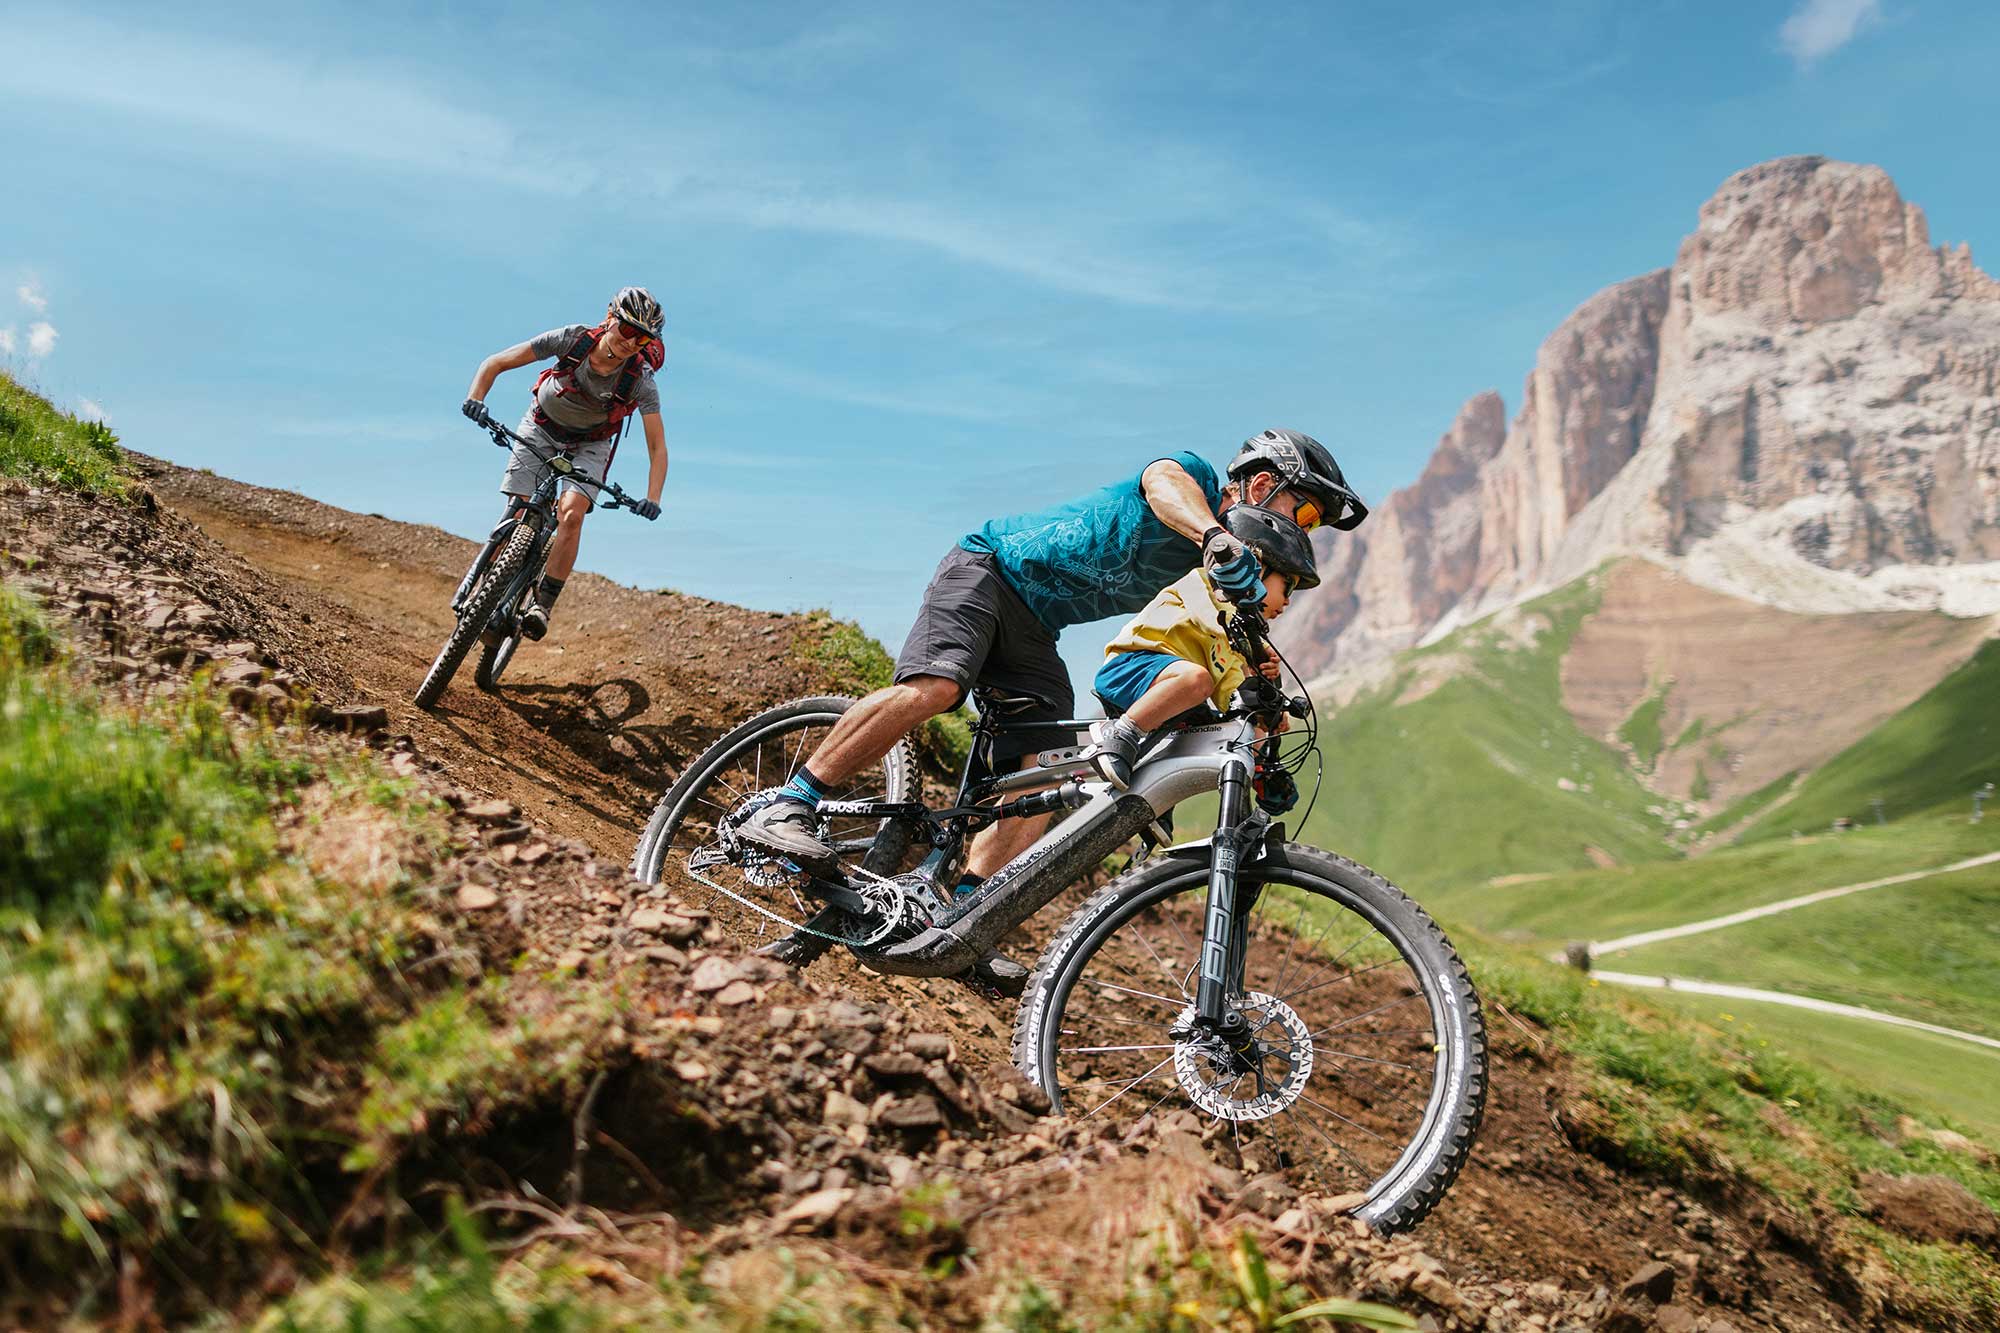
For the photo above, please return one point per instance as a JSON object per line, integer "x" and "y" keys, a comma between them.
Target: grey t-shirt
{"x": 587, "y": 405}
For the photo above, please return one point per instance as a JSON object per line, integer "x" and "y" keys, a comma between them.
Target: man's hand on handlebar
{"x": 475, "y": 409}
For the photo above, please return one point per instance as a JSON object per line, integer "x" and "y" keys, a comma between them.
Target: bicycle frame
{"x": 1176, "y": 766}
{"x": 540, "y": 509}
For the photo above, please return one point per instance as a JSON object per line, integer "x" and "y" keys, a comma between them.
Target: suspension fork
{"x": 1222, "y": 945}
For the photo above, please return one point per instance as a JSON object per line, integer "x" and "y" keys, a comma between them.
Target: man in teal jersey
{"x": 1000, "y": 597}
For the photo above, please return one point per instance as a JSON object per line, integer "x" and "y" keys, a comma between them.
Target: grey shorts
{"x": 974, "y": 629}
{"x": 525, "y": 471}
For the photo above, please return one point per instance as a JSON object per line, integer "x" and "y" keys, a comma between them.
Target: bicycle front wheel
{"x": 756, "y": 902}
{"x": 478, "y": 610}
{"x": 1367, "y": 1076}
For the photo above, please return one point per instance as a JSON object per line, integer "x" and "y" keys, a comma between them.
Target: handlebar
{"x": 618, "y": 498}
{"x": 1251, "y": 634}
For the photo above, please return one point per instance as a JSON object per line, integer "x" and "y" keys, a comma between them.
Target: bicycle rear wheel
{"x": 477, "y": 611}
{"x": 493, "y": 661}
{"x": 758, "y": 902}
{"x": 1368, "y": 1079}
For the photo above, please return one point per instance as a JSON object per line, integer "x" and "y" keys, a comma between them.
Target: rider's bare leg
{"x": 1182, "y": 686}
{"x": 872, "y": 727}
{"x": 570, "y": 511}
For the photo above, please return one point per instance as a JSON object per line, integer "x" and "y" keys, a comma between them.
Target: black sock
{"x": 547, "y": 591}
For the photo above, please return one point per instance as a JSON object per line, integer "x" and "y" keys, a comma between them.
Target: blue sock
{"x": 968, "y": 886}
{"x": 805, "y": 789}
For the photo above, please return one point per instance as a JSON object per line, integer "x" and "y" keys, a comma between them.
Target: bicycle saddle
{"x": 999, "y": 702}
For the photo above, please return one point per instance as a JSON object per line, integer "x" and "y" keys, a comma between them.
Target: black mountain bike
{"x": 490, "y": 596}
{"x": 1281, "y": 989}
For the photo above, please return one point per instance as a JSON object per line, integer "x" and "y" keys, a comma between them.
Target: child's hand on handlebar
{"x": 1269, "y": 668}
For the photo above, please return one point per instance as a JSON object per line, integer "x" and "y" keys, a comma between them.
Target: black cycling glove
{"x": 476, "y": 410}
{"x": 1232, "y": 566}
{"x": 646, "y": 509}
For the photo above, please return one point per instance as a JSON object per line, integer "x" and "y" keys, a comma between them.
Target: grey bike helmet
{"x": 1281, "y": 545}
{"x": 636, "y": 306}
{"x": 1303, "y": 464}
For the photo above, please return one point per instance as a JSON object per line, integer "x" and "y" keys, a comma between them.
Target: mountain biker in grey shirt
{"x": 577, "y": 411}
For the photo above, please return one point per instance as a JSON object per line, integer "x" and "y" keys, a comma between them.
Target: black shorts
{"x": 974, "y": 629}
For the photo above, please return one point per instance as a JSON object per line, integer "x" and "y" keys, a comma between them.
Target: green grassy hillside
{"x": 1932, "y": 754}
{"x": 1602, "y": 904}
{"x": 1486, "y": 775}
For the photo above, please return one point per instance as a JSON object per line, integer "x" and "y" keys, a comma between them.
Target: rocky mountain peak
{"x": 1805, "y": 240}
{"x": 1801, "y": 412}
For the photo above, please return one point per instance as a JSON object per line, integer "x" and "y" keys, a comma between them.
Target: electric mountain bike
{"x": 1286, "y": 992}
{"x": 489, "y": 598}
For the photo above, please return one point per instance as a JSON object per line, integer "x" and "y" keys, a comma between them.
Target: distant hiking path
{"x": 1786, "y": 998}
{"x": 1783, "y": 905}
{"x": 1598, "y": 949}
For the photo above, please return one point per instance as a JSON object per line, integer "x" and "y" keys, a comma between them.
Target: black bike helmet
{"x": 636, "y": 306}
{"x": 1302, "y": 464}
{"x": 1281, "y": 545}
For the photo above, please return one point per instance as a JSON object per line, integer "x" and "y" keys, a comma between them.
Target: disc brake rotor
{"x": 1264, "y": 1078}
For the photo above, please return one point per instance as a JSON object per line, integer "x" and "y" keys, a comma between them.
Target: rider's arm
{"x": 656, "y": 453}
{"x": 520, "y": 354}
{"x": 1177, "y": 499}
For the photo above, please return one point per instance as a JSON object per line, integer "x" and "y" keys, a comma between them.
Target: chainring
{"x": 900, "y": 909}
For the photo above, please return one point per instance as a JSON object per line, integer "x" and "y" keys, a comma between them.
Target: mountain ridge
{"x": 1800, "y": 411}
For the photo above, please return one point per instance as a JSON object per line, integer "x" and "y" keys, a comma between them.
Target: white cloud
{"x": 42, "y": 337}
{"x": 91, "y": 410}
{"x": 1821, "y": 27}
{"x": 32, "y": 297}
{"x": 7, "y": 343}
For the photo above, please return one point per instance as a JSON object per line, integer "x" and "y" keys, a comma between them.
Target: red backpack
{"x": 622, "y": 404}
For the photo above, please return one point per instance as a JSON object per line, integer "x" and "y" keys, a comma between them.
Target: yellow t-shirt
{"x": 1186, "y": 619}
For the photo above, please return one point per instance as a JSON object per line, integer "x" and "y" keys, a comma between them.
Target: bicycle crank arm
{"x": 1019, "y": 889}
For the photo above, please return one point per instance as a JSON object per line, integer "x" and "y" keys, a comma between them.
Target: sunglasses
{"x": 634, "y": 332}
{"x": 1308, "y": 515}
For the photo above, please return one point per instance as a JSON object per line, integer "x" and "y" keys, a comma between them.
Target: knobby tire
{"x": 1397, "y": 1198}
{"x": 478, "y": 610}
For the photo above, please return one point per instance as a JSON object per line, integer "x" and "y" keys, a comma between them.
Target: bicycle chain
{"x": 897, "y": 910}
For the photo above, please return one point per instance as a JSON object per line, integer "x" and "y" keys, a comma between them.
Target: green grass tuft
{"x": 52, "y": 448}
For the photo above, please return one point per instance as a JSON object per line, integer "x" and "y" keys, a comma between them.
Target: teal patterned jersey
{"x": 1104, "y": 554}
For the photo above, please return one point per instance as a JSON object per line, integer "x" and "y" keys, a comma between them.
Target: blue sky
{"x": 923, "y": 264}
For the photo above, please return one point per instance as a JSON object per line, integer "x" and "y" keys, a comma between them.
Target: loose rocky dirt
{"x": 746, "y": 1102}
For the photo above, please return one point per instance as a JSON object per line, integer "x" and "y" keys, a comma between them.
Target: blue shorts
{"x": 1122, "y": 679}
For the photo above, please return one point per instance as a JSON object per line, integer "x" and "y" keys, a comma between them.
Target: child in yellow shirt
{"x": 1176, "y": 654}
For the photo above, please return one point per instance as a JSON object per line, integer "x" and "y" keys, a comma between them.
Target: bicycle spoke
{"x": 1128, "y": 1087}
{"x": 1176, "y": 1005}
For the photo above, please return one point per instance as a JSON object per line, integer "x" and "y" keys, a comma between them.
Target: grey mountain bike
{"x": 1287, "y": 993}
{"x": 490, "y": 597}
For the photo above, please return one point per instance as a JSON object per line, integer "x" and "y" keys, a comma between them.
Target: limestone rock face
{"x": 1800, "y": 412}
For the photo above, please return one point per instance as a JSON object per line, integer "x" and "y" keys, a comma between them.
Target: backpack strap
{"x": 623, "y": 389}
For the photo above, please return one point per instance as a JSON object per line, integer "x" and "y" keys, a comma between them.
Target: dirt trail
{"x": 591, "y": 727}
